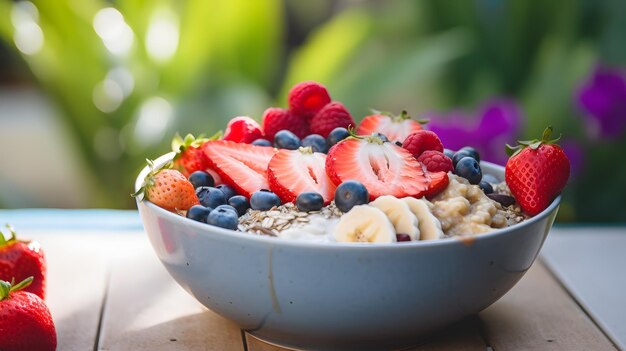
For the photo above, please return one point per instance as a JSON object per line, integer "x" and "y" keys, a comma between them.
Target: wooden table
{"x": 108, "y": 291}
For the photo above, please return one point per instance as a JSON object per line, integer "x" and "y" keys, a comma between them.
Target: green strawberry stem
{"x": 372, "y": 139}
{"x": 180, "y": 144}
{"x": 305, "y": 150}
{"x": 12, "y": 237}
{"x": 404, "y": 115}
{"x": 533, "y": 144}
{"x": 149, "y": 180}
{"x": 7, "y": 288}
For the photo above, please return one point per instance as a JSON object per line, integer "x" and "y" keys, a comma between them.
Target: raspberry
{"x": 276, "y": 119}
{"x": 330, "y": 117}
{"x": 307, "y": 98}
{"x": 421, "y": 141}
{"x": 435, "y": 161}
{"x": 243, "y": 130}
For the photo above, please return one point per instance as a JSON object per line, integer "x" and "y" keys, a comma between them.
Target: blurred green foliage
{"x": 239, "y": 57}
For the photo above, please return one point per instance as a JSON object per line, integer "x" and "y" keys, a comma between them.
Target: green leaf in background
{"x": 328, "y": 49}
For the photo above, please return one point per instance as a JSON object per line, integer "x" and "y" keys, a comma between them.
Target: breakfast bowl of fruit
{"x": 313, "y": 234}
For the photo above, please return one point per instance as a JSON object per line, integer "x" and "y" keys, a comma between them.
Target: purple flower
{"x": 497, "y": 123}
{"x": 575, "y": 153}
{"x": 603, "y": 99}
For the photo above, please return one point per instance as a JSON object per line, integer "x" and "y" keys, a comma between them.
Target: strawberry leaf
{"x": 149, "y": 180}
{"x": 12, "y": 237}
{"x": 6, "y": 288}
{"x": 533, "y": 144}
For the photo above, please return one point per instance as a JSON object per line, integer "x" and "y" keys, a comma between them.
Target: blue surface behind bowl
{"x": 343, "y": 296}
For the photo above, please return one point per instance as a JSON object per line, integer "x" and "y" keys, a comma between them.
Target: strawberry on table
{"x": 307, "y": 98}
{"x": 293, "y": 172}
{"x": 276, "y": 119}
{"x": 167, "y": 188}
{"x": 25, "y": 321}
{"x": 332, "y": 116}
{"x": 395, "y": 128}
{"x": 382, "y": 167}
{"x": 243, "y": 129}
{"x": 20, "y": 259}
{"x": 242, "y": 166}
{"x": 537, "y": 172}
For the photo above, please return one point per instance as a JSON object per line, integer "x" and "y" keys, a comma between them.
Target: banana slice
{"x": 429, "y": 225}
{"x": 400, "y": 215}
{"x": 365, "y": 224}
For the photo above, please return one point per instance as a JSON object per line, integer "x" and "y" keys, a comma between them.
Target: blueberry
{"x": 316, "y": 142}
{"x": 468, "y": 168}
{"x": 309, "y": 201}
{"x": 349, "y": 194}
{"x": 486, "y": 187}
{"x": 240, "y": 203}
{"x": 264, "y": 200}
{"x": 490, "y": 178}
{"x": 227, "y": 190}
{"x": 227, "y": 207}
{"x": 448, "y": 153}
{"x": 285, "y": 139}
{"x": 210, "y": 197}
{"x": 465, "y": 152}
{"x": 224, "y": 218}
{"x": 198, "y": 213}
{"x": 382, "y": 137}
{"x": 336, "y": 135}
{"x": 201, "y": 178}
{"x": 262, "y": 142}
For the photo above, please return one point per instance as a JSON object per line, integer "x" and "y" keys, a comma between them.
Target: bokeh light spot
{"x": 28, "y": 36}
{"x": 162, "y": 36}
{"x": 123, "y": 78}
{"x": 107, "y": 95}
{"x": 115, "y": 33}
{"x": 154, "y": 116}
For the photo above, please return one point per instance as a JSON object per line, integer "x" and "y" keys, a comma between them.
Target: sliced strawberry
{"x": 242, "y": 166}
{"x": 384, "y": 168}
{"x": 395, "y": 128}
{"x": 438, "y": 183}
{"x": 292, "y": 172}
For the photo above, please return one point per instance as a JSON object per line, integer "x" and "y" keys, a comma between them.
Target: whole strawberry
{"x": 21, "y": 259}
{"x": 537, "y": 172}
{"x": 168, "y": 189}
{"x": 25, "y": 321}
{"x": 189, "y": 158}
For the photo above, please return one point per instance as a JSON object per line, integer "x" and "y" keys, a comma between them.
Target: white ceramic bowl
{"x": 342, "y": 296}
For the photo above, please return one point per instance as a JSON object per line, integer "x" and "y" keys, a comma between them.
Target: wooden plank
{"x": 575, "y": 256}
{"x": 255, "y": 344}
{"x": 463, "y": 336}
{"x": 146, "y": 310}
{"x": 76, "y": 285}
{"x": 538, "y": 314}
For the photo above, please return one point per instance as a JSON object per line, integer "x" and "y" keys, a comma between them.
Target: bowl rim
{"x": 204, "y": 229}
